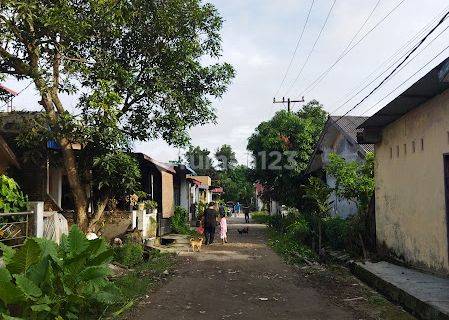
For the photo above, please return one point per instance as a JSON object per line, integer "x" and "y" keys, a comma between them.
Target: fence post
{"x": 37, "y": 218}
{"x": 142, "y": 222}
{"x": 133, "y": 219}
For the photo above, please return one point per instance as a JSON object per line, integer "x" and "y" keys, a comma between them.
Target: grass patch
{"x": 261, "y": 217}
{"x": 144, "y": 277}
{"x": 289, "y": 248}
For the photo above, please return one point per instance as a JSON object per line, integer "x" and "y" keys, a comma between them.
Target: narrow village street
{"x": 243, "y": 279}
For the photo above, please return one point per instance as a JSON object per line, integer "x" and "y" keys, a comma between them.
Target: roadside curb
{"x": 417, "y": 307}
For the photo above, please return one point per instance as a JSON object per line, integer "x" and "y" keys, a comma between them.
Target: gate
{"x": 14, "y": 228}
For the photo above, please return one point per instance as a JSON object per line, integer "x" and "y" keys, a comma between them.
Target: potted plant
{"x": 151, "y": 205}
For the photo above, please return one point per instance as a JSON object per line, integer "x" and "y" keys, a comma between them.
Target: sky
{"x": 259, "y": 37}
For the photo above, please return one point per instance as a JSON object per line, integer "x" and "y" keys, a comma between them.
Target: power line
{"x": 321, "y": 77}
{"x": 349, "y": 96}
{"x": 296, "y": 48}
{"x": 18, "y": 93}
{"x": 402, "y": 83}
{"x": 398, "y": 66}
{"x": 313, "y": 48}
{"x": 392, "y": 64}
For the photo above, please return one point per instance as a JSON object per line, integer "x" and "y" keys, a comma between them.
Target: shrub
{"x": 11, "y": 198}
{"x": 45, "y": 281}
{"x": 336, "y": 232}
{"x": 260, "y": 217}
{"x": 180, "y": 220}
{"x": 299, "y": 229}
{"x": 130, "y": 254}
{"x": 150, "y": 204}
{"x": 289, "y": 248}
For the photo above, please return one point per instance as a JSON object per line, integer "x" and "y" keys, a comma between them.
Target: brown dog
{"x": 196, "y": 244}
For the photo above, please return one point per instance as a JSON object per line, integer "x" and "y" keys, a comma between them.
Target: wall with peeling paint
{"x": 410, "y": 191}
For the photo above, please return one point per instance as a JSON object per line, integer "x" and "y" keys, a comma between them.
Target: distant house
{"x": 7, "y": 157}
{"x": 157, "y": 181}
{"x": 339, "y": 136}
{"x": 216, "y": 192}
{"x": 205, "y": 195}
{"x": 182, "y": 185}
{"x": 411, "y": 137}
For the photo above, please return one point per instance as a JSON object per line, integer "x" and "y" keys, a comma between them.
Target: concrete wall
{"x": 168, "y": 202}
{"x": 410, "y": 193}
{"x": 338, "y": 143}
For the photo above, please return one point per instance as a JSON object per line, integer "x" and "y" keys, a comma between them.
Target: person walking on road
{"x": 223, "y": 229}
{"x": 246, "y": 211}
{"x": 237, "y": 208}
{"x": 209, "y": 222}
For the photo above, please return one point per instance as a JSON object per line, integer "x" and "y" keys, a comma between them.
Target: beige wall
{"x": 203, "y": 179}
{"x": 410, "y": 197}
{"x": 168, "y": 202}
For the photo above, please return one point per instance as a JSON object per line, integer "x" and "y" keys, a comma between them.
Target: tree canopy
{"x": 225, "y": 157}
{"x": 282, "y": 147}
{"x": 139, "y": 64}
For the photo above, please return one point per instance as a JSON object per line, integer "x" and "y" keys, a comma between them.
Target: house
{"x": 411, "y": 137}
{"x": 157, "y": 181}
{"x": 40, "y": 176}
{"x": 7, "y": 157}
{"x": 186, "y": 188}
{"x": 216, "y": 193}
{"x": 339, "y": 136}
{"x": 205, "y": 195}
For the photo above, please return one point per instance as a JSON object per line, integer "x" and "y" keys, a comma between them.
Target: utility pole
{"x": 288, "y": 101}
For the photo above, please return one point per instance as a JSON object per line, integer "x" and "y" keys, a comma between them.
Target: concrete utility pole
{"x": 288, "y": 101}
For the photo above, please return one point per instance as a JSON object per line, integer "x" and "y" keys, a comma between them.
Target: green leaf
{"x": 6, "y": 317}
{"x": 109, "y": 295}
{"x": 40, "y": 308}
{"x": 77, "y": 241}
{"x": 38, "y": 272}
{"x": 104, "y": 257}
{"x": 25, "y": 257}
{"x": 94, "y": 272}
{"x": 28, "y": 287}
{"x": 5, "y": 276}
{"x": 10, "y": 294}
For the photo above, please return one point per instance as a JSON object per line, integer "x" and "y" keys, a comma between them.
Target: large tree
{"x": 225, "y": 157}
{"x": 199, "y": 160}
{"x": 148, "y": 54}
{"x": 237, "y": 185}
{"x": 282, "y": 147}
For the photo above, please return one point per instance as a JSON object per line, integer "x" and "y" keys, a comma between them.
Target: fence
{"x": 15, "y": 227}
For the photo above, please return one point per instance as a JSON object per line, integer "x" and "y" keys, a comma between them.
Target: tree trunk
{"x": 98, "y": 214}
{"x": 80, "y": 197}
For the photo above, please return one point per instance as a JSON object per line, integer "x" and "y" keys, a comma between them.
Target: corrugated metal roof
{"x": 349, "y": 125}
{"x": 429, "y": 86}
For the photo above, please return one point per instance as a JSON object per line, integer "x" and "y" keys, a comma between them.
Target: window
{"x": 405, "y": 148}
{"x": 397, "y": 151}
{"x": 422, "y": 144}
{"x": 413, "y": 146}
{"x": 391, "y": 153}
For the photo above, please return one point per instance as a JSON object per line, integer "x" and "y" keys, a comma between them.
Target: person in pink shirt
{"x": 223, "y": 229}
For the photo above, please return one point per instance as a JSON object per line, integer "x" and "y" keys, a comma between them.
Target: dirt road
{"x": 243, "y": 279}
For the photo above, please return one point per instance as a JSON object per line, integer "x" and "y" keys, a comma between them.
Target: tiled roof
{"x": 349, "y": 125}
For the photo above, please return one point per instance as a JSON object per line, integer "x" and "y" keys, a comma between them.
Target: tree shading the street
{"x": 139, "y": 64}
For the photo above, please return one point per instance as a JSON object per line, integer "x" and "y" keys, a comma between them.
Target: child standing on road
{"x": 223, "y": 229}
